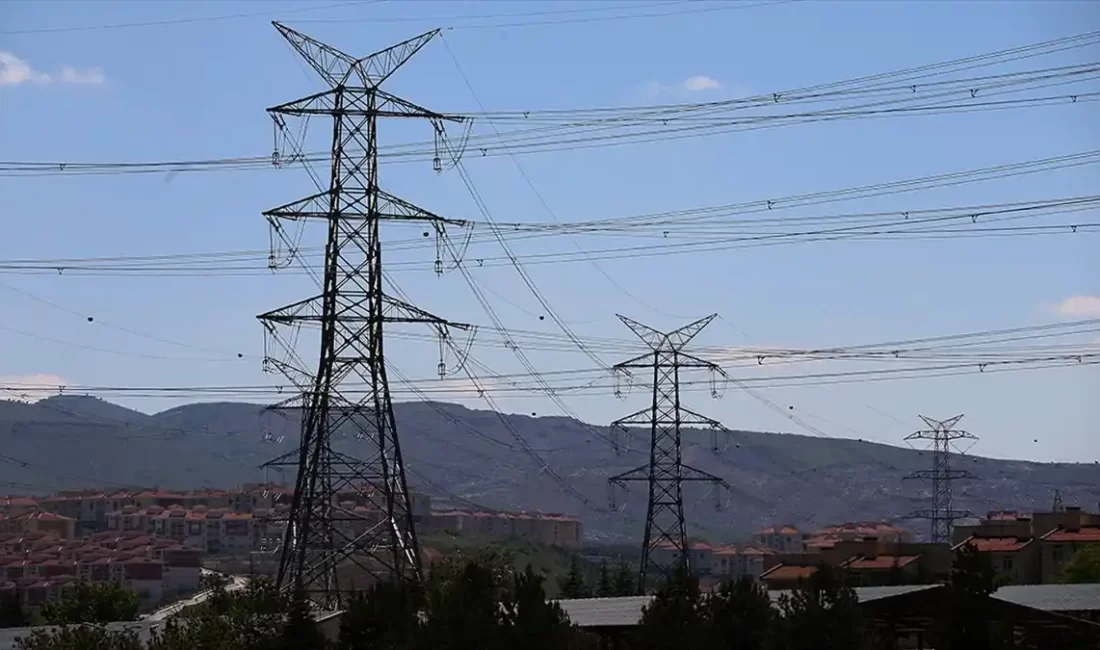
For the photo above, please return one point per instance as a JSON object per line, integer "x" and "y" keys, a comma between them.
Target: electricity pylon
{"x": 324, "y": 535}
{"x": 942, "y": 514}
{"x": 665, "y": 472}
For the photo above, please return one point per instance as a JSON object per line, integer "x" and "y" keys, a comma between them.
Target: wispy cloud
{"x": 15, "y": 71}
{"x": 29, "y": 388}
{"x": 699, "y": 83}
{"x": 693, "y": 84}
{"x": 1079, "y": 307}
{"x": 91, "y": 76}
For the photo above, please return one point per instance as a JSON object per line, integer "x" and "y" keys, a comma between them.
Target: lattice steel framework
{"x": 325, "y": 535}
{"x": 942, "y": 514}
{"x": 664, "y": 545}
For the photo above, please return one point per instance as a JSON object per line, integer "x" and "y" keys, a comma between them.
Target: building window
{"x": 1006, "y": 564}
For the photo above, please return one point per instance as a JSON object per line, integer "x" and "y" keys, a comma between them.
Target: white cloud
{"x": 91, "y": 76}
{"x": 15, "y": 71}
{"x": 1079, "y": 307}
{"x": 700, "y": 82}
{"x": 29, "y": 388}
{"x": 693, "y": 84}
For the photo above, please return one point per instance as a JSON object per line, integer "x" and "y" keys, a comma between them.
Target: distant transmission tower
{"x": 665, "y": 472}
{"x": 942, "y": 515}
{"x": 324, "y": 535}
{"x": 1057, "y": 505}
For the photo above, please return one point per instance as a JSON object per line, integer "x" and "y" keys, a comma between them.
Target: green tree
{"x": 604, "y": 587}
{"x": 574, "y": 585}
{"x": 740, "y": 616}
{"x": 80, "y": 637}
{"x": 532, "y": 623}
{"x": 252, "y": 618}
{"x": 385, "y": 617}
{"x": 87, "y": 602}
{"x": 624, "y": 581}
{"x": 462, "y": 610}
{"x": 1084, "y": 566}
{"x": 968, "y": 618}
{"x": 300, "y": 631}
{"x": 822, "y": 613}
{"x": 11, "y": 611}
{"x": 675, "y": 617}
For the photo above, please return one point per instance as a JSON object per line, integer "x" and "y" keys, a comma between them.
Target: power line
{"x": 967, "y": 88}
{"x": 720, "y": 232}
{"x": 524, "y": 14}
{"x": 721, "y": 7}
{"x": 531, "y": 184}
{"x": 573, "y": 138}
{"x": 120, "y": 328}
{"x": 972, "y": 368}
{"x": 180, "y": 21}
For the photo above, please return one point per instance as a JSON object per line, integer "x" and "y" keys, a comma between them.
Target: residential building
{"x": 731, "y": 561}
{"x": 551, "y": 528}
{"x": 1059, "y": 545}
{"x": 37, "y": 521}
{"x": 1031, "y": 548}
{"x": 882, "y": 531}
{"x": 1016, "y": 559}
{"x": 780, "y": 538}
{"x": 866, "y": 562}
{"x": 12, "y": 505}
{"x": 38, "y": 566}
{"x": 211, "y": 530}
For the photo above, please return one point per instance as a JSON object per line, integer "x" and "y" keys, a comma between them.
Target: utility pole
{"x": 942, "y": 515}
{"x": 349, "y": 392}
{"x": 665, "y": 473}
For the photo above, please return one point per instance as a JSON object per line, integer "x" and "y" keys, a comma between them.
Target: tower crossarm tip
{"x": 680, "y": 337}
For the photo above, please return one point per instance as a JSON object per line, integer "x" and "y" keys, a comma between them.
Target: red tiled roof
{"x": 1004, "y": 515}
{"x": 779, "y": 530}
{"x": 11, "y": 501}
{"x": 1086, "y": 534}
{"x": 864, "y": 528}
{"x": 692, "y": 545}
{"x": 997, "y": 544}
{"x": 880, "y": 562}
{"x": 788, "y": 572}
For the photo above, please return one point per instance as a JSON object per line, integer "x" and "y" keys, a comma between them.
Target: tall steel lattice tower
{"x": 665, "y": 473}
{"x": 942, "y": 515}
{"x": 349, "y": 392}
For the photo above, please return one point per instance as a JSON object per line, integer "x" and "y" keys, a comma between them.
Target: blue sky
{"x": 198, "y": 90}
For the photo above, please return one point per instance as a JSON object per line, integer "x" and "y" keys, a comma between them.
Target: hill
{"x": 467, "y": 455}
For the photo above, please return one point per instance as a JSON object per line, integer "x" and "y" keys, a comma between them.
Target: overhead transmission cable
{"x": 786, "y": 97}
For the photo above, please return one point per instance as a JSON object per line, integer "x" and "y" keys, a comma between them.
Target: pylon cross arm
{"x": 336, "y": 67}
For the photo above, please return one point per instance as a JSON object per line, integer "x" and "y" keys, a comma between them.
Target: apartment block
{"x": 880, "y": 531}
{"x": 782, "y": 538}
{"x": 867, "y": 562}
{"x": 38, "y": 566}
{"x": 733, "y": 561}
{"x": 1031, "y": 548}
{"x": 37, "y": 521}
{"x": 211, "y": 530}
{"x": 554, "y": 529}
